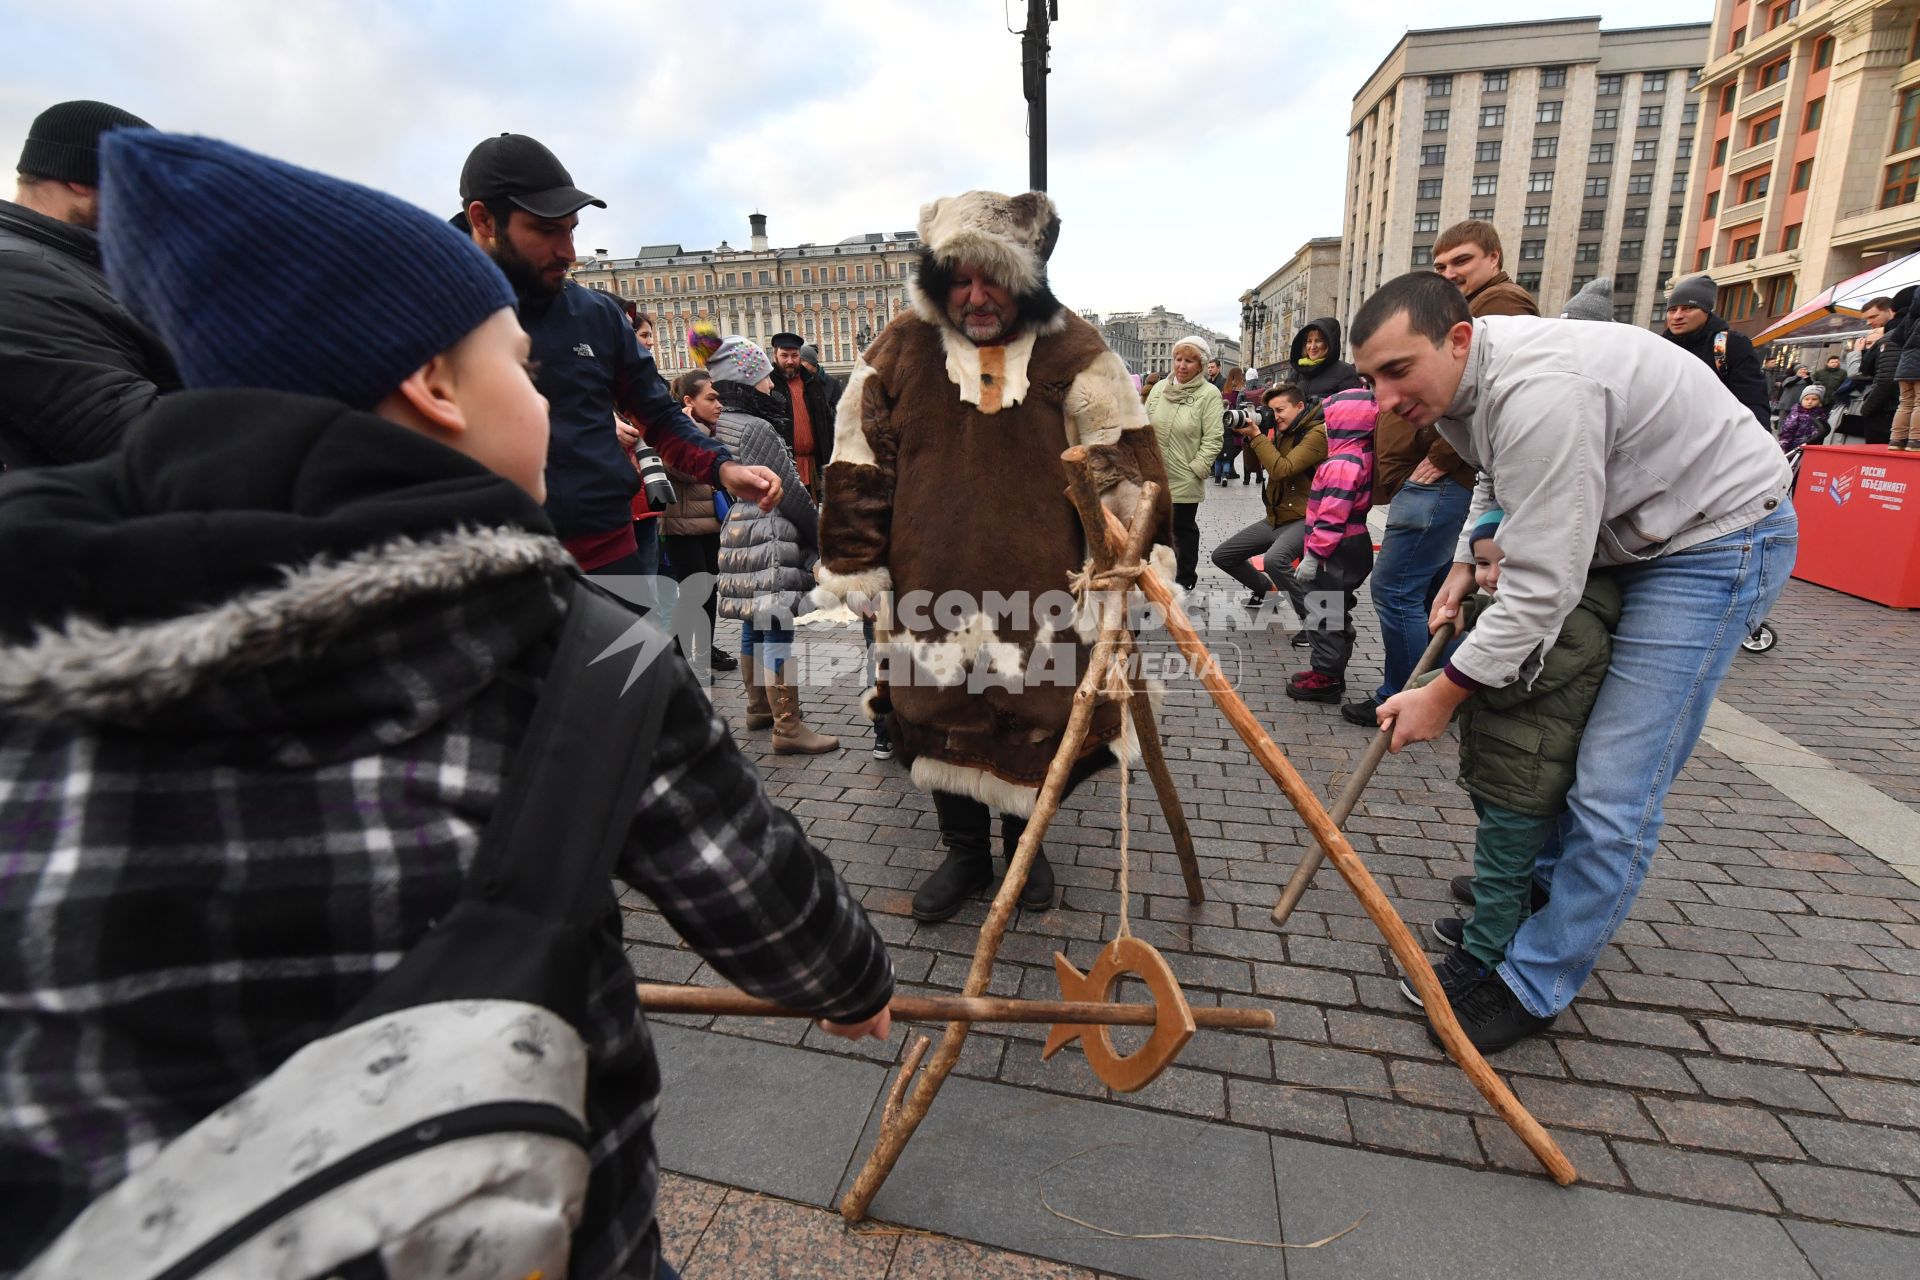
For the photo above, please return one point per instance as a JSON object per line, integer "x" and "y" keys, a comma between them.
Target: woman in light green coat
{"x": 1185, "y": 411}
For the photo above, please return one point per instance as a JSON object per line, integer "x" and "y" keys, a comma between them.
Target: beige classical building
{"x": 1809, "y": 159}
{"x": 1307, "y": 287}
{"x": 836, "y": 296}
{"x": 1575, "y": 142}
{"x": 1155, "y": 331}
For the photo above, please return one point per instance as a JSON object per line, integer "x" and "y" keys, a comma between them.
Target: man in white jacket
{"x": 1609, "y": 449}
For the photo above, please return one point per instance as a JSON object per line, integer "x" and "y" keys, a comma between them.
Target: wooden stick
{"x": 899, "y": 1090}
{"x": 908, "y": 1008}
{"x": 1356, "y": 784}
{"x": 1140, "y": 706}
{"x": 1093, "y": 518}
{"x": 1412, "y": 959}
{"x": 893, "y": 1138}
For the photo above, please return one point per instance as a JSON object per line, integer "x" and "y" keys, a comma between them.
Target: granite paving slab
{"x": 759, "y": 1115}
{"x": 1429, "y": 1220}
{"x": 987, "y": 1154}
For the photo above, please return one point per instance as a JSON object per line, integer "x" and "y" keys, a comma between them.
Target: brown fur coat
{"x": 946, "y": 478}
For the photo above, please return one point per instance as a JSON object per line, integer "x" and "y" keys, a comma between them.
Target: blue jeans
{"x": 1423, "y": 528}
{"x": 1683, "y": 619}
{"x": 770, "y": 646}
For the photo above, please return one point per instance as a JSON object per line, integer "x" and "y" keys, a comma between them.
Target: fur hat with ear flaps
{"x": 1009, "y": 238}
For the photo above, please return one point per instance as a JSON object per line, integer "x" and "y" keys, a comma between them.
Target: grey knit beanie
{"x": 1694, "y": 291}
{"x": 1593, "y": 302}
{"x": 739, "y": 360}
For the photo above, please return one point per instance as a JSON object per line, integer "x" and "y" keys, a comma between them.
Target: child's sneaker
{"x": 1316, "y": 686}
{"x": 1458, "y": 972}
{"x": 1449, "y": 931}
{"x": 882, "y": 744}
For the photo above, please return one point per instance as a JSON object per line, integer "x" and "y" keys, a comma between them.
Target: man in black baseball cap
{"x": 75, "y": 367}
{"x": 520, "y": 205}
{"x": 517, "y": 168}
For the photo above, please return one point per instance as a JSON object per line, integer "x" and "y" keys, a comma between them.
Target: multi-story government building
{"x": 1574, "y": 142}
{"x": 836, "y": 296}
{"x": 1305, "y": 288}
{"x": 1809, "y": 161}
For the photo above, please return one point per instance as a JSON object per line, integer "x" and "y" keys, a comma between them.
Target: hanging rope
{"x": 1126, "y": 772}
{"x": 1116, "y": 687}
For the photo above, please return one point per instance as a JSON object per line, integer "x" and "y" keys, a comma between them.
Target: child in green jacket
{"x": 1518, "y": 746}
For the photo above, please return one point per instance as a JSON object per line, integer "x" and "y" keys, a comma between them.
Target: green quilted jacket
{"x": 1518, "y": 745}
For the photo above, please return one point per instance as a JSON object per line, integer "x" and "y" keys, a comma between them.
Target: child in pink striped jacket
{"x": 1339, "y": 550}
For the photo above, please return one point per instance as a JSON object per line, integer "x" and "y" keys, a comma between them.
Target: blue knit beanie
{"x": 1487, "y": 525}
{"x": 257, "y": 273}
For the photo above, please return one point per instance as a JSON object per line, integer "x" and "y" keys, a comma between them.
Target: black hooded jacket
{"x": 1880, "y": 363}
{"x": 1740, "y": 373}
{"x": 1332, "y": 373}
{"x": 75, "y": 367}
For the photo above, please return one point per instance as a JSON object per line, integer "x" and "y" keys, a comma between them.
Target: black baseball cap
{"x": 787, "y": 341}
{"x": 517, "y": 168}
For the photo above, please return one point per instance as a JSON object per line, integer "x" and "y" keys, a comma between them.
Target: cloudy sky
{"x": 1194, "y": 146}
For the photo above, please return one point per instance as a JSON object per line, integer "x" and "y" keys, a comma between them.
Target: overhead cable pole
{"x": 1033, "y": 79}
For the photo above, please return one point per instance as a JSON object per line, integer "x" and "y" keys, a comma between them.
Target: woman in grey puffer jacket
{"x": 766, "y": 557}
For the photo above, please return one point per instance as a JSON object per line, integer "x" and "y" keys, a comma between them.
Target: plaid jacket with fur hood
{"x": 261, "y": 676}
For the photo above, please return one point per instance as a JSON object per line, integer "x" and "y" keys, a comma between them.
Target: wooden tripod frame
{"x": 1110, "y": 543}
{"x": 904, "y": 1113}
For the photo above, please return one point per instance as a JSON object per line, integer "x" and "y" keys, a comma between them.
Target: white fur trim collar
{"x": 99, "y": 672}
{"x": 991, "y": 378}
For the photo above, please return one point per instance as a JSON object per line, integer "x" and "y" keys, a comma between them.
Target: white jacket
{"x": 1604, "y": 444}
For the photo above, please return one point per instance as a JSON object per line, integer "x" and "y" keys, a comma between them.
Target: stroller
{"x": 1764, "y": 637}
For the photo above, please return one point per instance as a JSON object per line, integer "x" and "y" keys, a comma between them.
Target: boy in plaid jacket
{"x": 263, "y": 671}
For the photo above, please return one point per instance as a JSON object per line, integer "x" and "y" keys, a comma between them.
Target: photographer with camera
{"x": 1298, "y": 445}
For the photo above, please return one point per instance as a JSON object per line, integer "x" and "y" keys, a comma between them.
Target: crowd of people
{"x": 296, "y": 539}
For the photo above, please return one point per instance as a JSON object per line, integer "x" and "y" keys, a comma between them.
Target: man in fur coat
{"x": 946, "y": 486}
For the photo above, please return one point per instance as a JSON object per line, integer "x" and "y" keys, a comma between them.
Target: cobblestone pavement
{"x": 711, "y": 1232}
{"x": 1750, "y": 1039}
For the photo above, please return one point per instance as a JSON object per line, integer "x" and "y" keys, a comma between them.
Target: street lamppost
{"x": 862, "y": 338}
{"x": 1252, "y": 316}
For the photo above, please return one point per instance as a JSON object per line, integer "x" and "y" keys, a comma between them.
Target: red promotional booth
{"x": 1859, "y": 509}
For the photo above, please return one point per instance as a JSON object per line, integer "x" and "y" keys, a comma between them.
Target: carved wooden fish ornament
{"x": 1172, "y": 1028}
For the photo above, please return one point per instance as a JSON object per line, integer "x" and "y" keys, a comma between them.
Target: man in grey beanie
{"x": 1692, "y": 324}
{"x": 1593, "y": 302}
{"x": 810, "y": 360}
{"x": 75, "y": 367}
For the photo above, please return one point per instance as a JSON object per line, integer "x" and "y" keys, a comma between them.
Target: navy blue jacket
{"x": 589, "y": 365}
